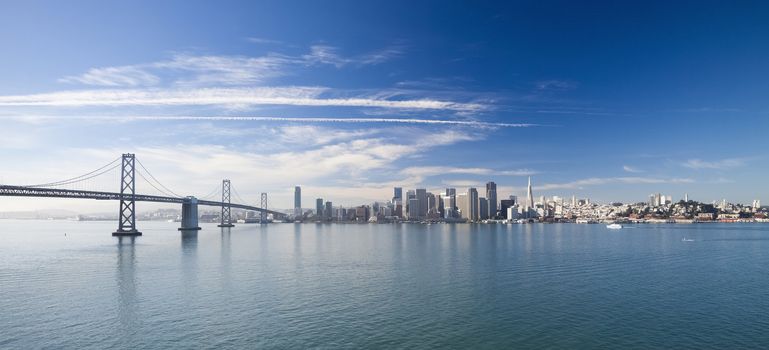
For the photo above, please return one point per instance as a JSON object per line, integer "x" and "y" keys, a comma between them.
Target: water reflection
{"x": 126, "y": 283}
{"x": 189, "y": 258}
{"x": 225, "y": 254}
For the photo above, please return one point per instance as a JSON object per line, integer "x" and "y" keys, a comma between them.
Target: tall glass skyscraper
{"x": 297, "y": 201}
{"x": 491, "y": 197}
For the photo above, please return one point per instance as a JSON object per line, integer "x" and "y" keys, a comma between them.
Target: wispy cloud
{"x": 319, "y": 120}
{"x": 630, "y": 169}
{"x": 425, "y": 171}
{"x": 597, "y": 181}
{"x": 225, "y": 97}
{"x": 257, "y": 40}
{"x": 115, "y": 76}
{"x": 557, "y": 85}
{"x": 714, "y": 164}
{"x": 215, "y": 70}
{"x": 325, "y": 54}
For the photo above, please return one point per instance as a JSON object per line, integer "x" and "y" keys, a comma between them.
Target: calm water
{"x": 384, "y": 286}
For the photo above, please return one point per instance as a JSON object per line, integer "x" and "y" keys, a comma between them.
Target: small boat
{"x": 686, "y": 239}
{"x": 614, "y": 226}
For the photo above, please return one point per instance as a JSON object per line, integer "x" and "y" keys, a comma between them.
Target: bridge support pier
{"x": 189, "y": 214}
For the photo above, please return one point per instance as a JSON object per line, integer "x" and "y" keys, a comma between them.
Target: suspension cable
{"x": 218, "y": 187}
{"x": 81, "y": 177}
{"x": 237, "y": 195}
{"x": 155, "y": 187}
{"x": 156, "y": 180}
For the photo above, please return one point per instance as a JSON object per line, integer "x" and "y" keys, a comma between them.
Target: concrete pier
{"x": 133, "y": 232}
{"x": 189, "y": 214}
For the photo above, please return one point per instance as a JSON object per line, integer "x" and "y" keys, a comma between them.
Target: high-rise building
{"x": 463, "y": 206}
{"x": 472, "y": 203}
{"x": 397, "y": 194}
{"x": 328, "y": 211}
{"x": 432, "y": 205}
{"x": 686, "y": 197}
{"x": 530, "y": 195}
{"x": 448, "y": 209}
{"x": 421, "y": 195}
{"x": 297, "y": 201}
{"x": 504, "y": 205}
{"x": 491, "y": 197}
{"x": 319, "y": 208}
{"x": 413, "y": 209}
{"x": 483, "y": 208}
{"x": 756, "y": 204}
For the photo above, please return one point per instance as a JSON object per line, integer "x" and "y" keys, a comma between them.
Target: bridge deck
{"x": 23, "y": 191}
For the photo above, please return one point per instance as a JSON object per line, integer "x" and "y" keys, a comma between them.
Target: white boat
{"x": 687, "y": 240}
{"x": 614, "y": 226}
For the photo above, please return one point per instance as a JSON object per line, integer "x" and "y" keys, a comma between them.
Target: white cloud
{"x": 115, "y": 76}
{"x": 631, "y": 169}
{"x": 216, "y": 70}
{"x": 596, "y": 181}
{"x": 555, "y": 85}
{"x": 426, "y": 171}
{"x": 716, "y": 164}
{"x": 325, "y": 54}
{"x": 257, "y": 40}
{"x": 226, "y": 97}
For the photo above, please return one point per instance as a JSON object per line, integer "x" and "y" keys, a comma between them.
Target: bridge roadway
{"x": 23, "y": 191}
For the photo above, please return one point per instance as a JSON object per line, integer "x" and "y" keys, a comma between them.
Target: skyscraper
{"x": 397, "y": 194}
{"x": 328, "y": 212}
{"x": 530, "y": 196}
{"x": 319, "y": 208}
{"x": 297, "y": 201}
{"x": 483, "y": 208}
{"x": 472, "y": 204}
{"x": 422, "y": 200}
{"x": 491, "y": 197}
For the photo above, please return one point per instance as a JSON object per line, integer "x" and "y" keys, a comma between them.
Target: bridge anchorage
{"x": 226, "y": 217}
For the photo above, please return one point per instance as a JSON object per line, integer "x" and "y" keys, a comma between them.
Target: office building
{"x": 491, "y": 197}
{"x": 297, "y": 201}
{"x": 319, "y": 208}
{"x": 472, "y": 204}
{"x": 483, "y": 208}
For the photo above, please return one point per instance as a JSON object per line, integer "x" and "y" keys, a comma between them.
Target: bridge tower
{"x": 263, "y": 213}
{"x": 226, "y": 208}
{"x": 127, "y": 214}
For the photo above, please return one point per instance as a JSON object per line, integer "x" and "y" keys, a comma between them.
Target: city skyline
{"x": 422, "y": 105}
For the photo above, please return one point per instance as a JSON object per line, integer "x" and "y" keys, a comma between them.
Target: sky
{"x": 606, "y": 100}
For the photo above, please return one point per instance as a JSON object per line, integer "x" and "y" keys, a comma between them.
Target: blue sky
{"x": 607, "y": 100}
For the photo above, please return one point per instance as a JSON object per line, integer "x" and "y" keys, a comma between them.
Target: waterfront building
{"x": 397, "y": 194}
{"x": 449, "y": 207}
{"x": 529, "y": 195}
{"x": 506, "y": 204}
{"x": 483, "y": 208}
{"x": 472, "y": 204}
{"x": 413, "y": 209}
{"x": 297, "y": 201}
{"x": 319, "y": 208}
{"x": 328, "y": 212}
{"x": 462, "y": 205}
{"x": 491, "y": 197}
{"x": 421, "y": 195}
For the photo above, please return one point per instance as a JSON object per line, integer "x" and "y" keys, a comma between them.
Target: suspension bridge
{"x": 128, "y": 196}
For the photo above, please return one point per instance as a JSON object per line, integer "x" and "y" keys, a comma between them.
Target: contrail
{"x": 290, "y": 120}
